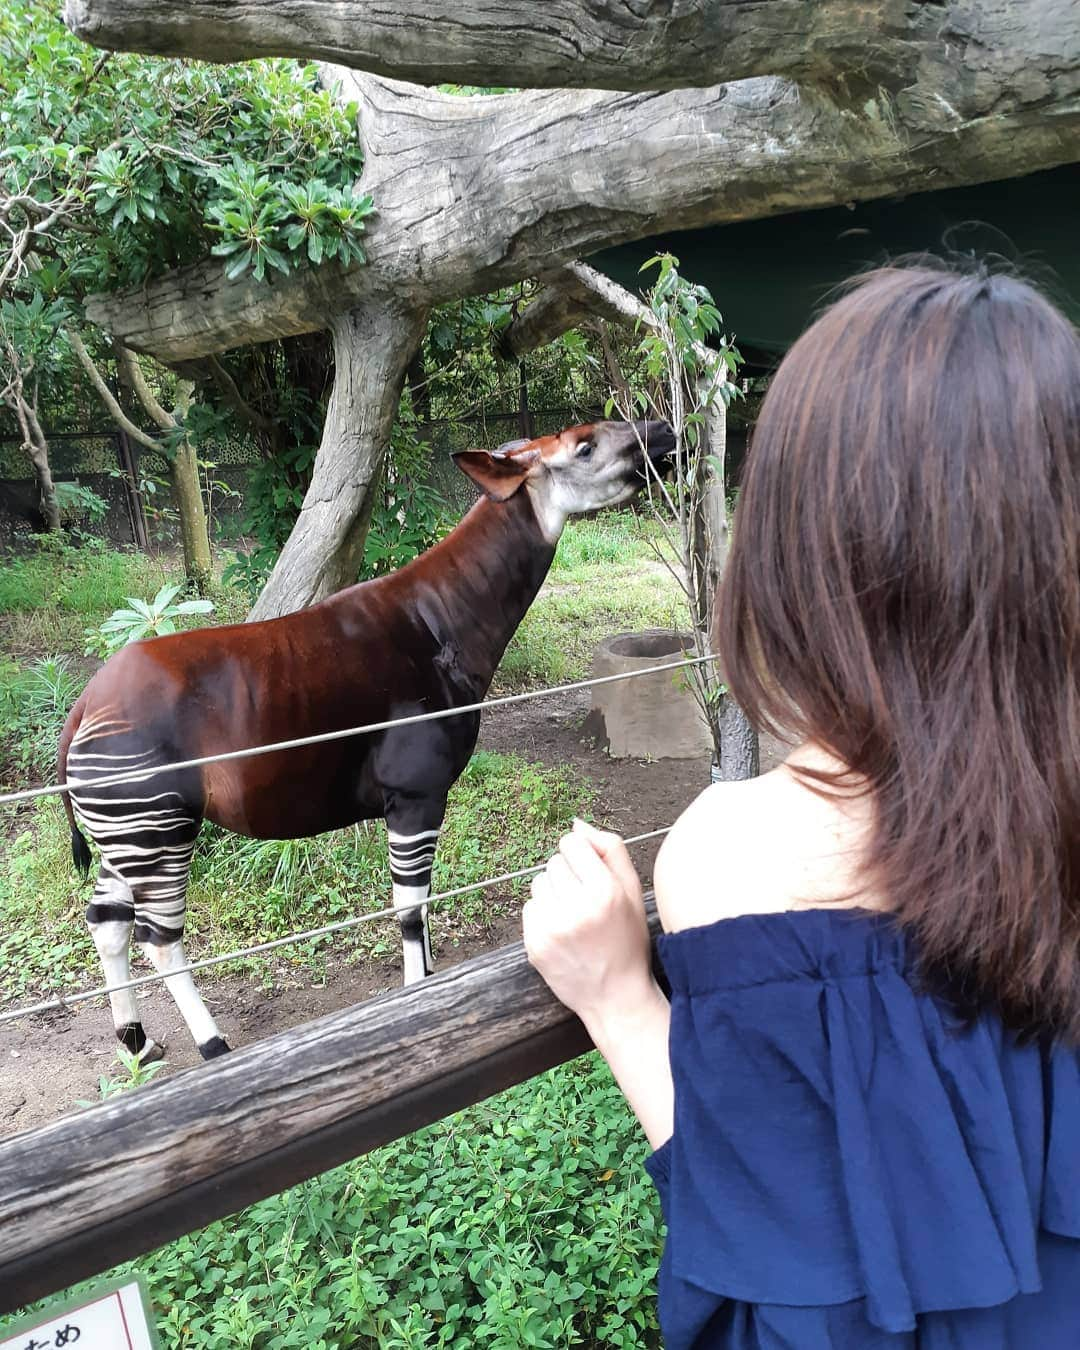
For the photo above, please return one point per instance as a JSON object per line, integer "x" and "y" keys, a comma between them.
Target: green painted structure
{"x": 769, "y": 276}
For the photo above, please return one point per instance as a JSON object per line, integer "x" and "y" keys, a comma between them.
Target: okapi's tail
{"x": 80, "y": 850}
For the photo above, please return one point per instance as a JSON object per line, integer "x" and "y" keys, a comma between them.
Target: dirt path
{"x": 47, "y": 1065}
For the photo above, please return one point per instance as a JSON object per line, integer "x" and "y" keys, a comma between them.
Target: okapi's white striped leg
{"x": 146, "y": 846}
{"x": 166, "y": 956}
{"x": 411, "y": 857}
{"x": 160, "y": 907}
{"x": 110, "y": 917}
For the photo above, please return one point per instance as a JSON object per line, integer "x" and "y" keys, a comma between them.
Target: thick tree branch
{"x": 571, "y": 294}
{"x": 553, "y": 311}
{"x": 473, "y": 194}
{"x": 561, "y": 44}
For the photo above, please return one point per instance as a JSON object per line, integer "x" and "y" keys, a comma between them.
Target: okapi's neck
{"x": 473, "y": 588}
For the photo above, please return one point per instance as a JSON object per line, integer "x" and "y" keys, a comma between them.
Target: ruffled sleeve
{"x": 839, "y": 1137}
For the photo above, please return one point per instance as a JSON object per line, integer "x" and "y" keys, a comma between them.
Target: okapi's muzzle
{"x": 657, "y": 441}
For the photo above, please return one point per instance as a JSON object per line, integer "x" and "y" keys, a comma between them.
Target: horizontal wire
{"x": 138, "y": 776}
{"x": 62, "y": 1001}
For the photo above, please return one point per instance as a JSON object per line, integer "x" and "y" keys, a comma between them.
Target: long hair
{"x": 903, "y": 589}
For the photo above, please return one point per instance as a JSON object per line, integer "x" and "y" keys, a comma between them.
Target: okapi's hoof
{"x": 215, "y": 1046}
{"x": 131, "y": 1036}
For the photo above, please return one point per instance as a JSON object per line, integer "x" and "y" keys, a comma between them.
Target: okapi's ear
{"x": 499, "y": 475}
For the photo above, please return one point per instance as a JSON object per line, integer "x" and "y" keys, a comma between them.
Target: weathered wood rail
{"x": 123, "y": 1177}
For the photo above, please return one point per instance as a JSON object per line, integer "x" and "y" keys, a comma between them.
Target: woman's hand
{"x": 585, "y": 932}
{"x": 585, "y": 929}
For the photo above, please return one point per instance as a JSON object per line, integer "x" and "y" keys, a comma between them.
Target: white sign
{"x": 108, "y": 1318}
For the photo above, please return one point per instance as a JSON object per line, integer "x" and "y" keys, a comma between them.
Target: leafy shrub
{"x": 262, "y": 220}
{"x": 406, "y": 520}
{"x": 257, "y": 159}
{"x": 34, "y": 703}
{"x": 77, "y": 503}
{"x": 145, "y": 619}
{"x": 272, "y": 499}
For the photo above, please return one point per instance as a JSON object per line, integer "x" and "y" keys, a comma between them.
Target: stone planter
{"x": 653, "y": 716}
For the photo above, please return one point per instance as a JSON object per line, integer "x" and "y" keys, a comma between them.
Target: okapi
{"x": 426, "y": 637}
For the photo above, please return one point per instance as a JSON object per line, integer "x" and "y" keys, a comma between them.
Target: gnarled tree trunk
{"x": 373, "y": 346}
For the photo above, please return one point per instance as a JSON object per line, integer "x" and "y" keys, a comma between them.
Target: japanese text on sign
{"x": 112, "y": 1320}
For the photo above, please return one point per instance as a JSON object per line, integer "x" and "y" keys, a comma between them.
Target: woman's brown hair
{"x": 903, "y": 589}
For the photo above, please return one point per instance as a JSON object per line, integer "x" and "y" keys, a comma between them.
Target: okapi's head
{"x": 580, "y": 469}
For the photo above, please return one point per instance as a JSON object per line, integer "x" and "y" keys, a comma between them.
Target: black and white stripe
{"x": 146, "y": 834}
{"x": 412, "y": 857}
{"x": 146, "y": 844}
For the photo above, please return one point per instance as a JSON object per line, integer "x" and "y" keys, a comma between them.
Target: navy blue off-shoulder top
{"x": 851, "y": 1166}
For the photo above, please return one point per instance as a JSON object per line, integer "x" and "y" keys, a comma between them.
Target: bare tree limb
{"x": 106, "y": 394}
{"x": 136, "y": 381}
{"x": 229, "y": 389}
{"x": 34, "y": 441}
{"x": 563, "y": 44}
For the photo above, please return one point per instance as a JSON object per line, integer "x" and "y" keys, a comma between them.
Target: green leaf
{"x": 275, "y": 259}
{"x": 165, "y": 597}
{"x": 142, "y": 609}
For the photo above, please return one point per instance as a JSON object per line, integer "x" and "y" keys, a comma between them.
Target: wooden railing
{"x": 123, "y": 1177}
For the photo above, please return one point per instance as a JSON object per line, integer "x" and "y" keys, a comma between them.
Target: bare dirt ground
{"x": 49, "y": 1064}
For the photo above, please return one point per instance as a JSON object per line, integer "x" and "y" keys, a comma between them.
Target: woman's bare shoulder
{"x": 757, "y": 847}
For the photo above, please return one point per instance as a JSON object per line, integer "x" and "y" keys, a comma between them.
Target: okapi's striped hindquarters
{"x": 146, "y": 833}
{"x": 425, "y": 639}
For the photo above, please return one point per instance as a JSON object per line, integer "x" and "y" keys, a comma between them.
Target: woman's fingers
{"x": 614, "y": 853}
{"x": 588, "y": 867}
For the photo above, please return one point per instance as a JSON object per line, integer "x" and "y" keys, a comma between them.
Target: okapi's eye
{"x": 584, "y": 450}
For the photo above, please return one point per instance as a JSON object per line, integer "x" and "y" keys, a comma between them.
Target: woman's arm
{"x": 585, "y": 932}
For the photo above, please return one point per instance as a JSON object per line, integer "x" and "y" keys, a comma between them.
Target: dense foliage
{"x": 153, "y": 163}
{"x": 527, "y": 1221}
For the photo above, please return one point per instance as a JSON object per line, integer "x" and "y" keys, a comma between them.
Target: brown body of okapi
{"x": 424, "y": 638}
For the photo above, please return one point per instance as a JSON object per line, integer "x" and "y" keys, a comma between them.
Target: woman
{"x": 864, "y": 1094}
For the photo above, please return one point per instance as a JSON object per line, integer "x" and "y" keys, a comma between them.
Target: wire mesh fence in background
{"x": 94, "y": 459}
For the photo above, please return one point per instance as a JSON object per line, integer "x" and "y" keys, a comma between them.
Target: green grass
{"x": 34, "y": 703}
{"x": 527, "y": 1220}
{"x": 504, "y": 814}
{"x": 619, "y": 538}
{"x": 556, "y": 639}
{"x": 49, "y": 597}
